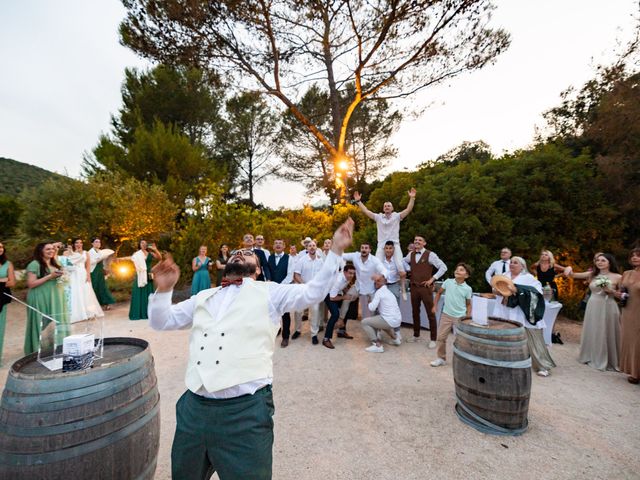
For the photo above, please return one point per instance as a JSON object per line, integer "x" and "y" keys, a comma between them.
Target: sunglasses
{"x": 245, "y": 253}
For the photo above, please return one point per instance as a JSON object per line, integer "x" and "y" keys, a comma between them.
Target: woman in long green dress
{"x": 200, "y": 266}
{"x": 46, "y": 296}
{"x": 7, "y": 280}
{"x": 97, "y": 275}
{"x": 142, "y": 283}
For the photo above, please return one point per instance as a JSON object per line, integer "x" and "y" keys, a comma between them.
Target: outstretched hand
{"x": 356, "y": 196}
{"x": 412, "y": 192}
{"x": 166, "y": 274}
{"x": 343, "y": 237}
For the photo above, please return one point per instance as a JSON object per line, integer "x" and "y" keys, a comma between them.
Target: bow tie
{"x": 226, "y": 282}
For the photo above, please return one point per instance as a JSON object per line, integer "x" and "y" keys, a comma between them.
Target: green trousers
{"x": 233, "y": 437}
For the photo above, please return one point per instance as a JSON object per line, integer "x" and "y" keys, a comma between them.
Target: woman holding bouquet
{"x": 600, "y": 342}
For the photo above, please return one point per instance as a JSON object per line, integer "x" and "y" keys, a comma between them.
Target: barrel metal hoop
{"x": 39, "y": 430}
{"x": 495, "y": 332}
{"x": 35, "y": 403}
{"x": 486, "y": 341}
{"x": 20, "y": 460}
{"x": 494, "y": 363}
{"x": 21, "y": 383}
{"x": 485, "y": 426}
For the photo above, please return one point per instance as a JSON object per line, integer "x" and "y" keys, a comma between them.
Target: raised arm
{"x": 297, "y": 297}
{"x": 163, "y": 315}
{"x": 358, "y": 198}
{"x": 412, "y": 201}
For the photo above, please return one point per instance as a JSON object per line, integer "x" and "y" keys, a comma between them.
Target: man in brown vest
{"x": 421, "y": 263}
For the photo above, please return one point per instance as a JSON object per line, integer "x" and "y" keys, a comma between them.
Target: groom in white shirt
{"x": 224, "y": 420}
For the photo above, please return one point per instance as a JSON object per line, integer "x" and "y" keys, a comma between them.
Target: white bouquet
{"x": 603, "y": 281}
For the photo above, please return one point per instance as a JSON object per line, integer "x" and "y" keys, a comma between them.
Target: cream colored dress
{"x": 600, "y": 343}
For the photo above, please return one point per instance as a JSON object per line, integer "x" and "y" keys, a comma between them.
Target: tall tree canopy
{"x": 384, "y": 48}
{"x": 165, "y": 132}
{"x": 249, "y": 140}
{"x": 367, "y": 143}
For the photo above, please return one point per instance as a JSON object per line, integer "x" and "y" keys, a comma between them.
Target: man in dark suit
{"x": 281, "y": 272}
{"x": 248, "y": 244}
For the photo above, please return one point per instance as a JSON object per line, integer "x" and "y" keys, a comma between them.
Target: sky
{"x": 62, "y": 68}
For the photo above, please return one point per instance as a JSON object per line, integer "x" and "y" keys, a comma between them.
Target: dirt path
{"x": 348, "y": 414}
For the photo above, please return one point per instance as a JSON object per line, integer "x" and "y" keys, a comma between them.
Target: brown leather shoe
{"x": 284, "y": 342}
{"x": 328, "y": 344}
{"x": 345, "y": 335}
{"x": 633, "y": 380}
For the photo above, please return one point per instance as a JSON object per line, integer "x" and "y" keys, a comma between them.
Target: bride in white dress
{"x": 84, "y": 303}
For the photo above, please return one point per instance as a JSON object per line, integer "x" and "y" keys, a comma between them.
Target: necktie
{"x": 226, "y": 282}
{"x": 504, "y": 266}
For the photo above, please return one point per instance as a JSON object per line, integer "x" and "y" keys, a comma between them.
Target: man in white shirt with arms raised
{"x": 388, "y": 223}
{"x": 224, "y": 420}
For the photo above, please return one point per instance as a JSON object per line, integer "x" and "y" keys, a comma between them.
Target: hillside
{"x": 16, "y": 176}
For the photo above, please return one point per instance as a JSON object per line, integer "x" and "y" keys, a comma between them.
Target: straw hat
{"x": 306, "y": 240}
{"x": 502, "y": 285}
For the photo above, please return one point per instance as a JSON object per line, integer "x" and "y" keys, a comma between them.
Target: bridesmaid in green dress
{"x": 142, "y": 283}
{"x": 200, "y": 266}
{"x": 97, "y": 276}
{"x": 7, "y": 280}
{"x": 46, "y": 294}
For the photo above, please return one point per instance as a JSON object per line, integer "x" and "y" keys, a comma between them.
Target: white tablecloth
{"x": 551, "y": 310}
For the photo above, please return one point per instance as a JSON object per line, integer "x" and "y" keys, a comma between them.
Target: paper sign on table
{"x": 479, "y": 310}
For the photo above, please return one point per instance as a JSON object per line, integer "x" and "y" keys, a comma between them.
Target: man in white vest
{"x": 224, "y": 420}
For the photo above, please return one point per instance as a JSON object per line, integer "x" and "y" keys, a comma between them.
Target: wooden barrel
{"x": 492, "y": 374}
{"x": 99, "y": 423}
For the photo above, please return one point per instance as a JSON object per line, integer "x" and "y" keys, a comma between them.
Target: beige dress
{"x": 600, "y": 343}
{"x": 630, "y": 325}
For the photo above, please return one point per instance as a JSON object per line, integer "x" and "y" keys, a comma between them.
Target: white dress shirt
{"x": 387, "y": 306}
{"x": 338, "y": 285}
{"x": 433, "y": 260}
{"x": 499, "y": 267}
{"x": 308, "y": 267}
{"x": 392, "y": 268}
{"x": 388, "y": 227}
{"x": 365, "y": 270}
{"x": 282, "y": 298}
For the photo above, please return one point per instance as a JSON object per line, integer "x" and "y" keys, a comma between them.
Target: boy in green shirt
{"x": 457, "y": 304}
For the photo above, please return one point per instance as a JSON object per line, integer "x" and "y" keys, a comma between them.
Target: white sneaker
{"x": 438, "y": 362}
{"x": 413, "y": 339}
{"x": 374, "y": 349}
{"x": 398, "y": 340}
{"x": 432, "y": 344}
{"x": 543, "y": 373}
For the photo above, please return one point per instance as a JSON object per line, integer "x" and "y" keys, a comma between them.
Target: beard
{"x": 239, "y": 269}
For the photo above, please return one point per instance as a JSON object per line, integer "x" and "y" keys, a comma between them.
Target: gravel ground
{"x": 349, "y": 414}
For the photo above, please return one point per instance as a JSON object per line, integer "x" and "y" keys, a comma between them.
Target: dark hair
{"x": 632, "y": 252}
{"x": 220, "y": 250}
{"x": 37, "y": 256}
{"x": 3, "y": 257}
{"x": 348, "y": 267}
{"x": 73, "y": 243}
{"x": 465, "y": 266}
{"x": 613, "y": 265}
{"x": 140, "y": 243}
{"x": 365, "y": 243}
{"x": 423, "y": 237}
{"x": 93, "y": 239}
{"x": 389, "y": 242}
